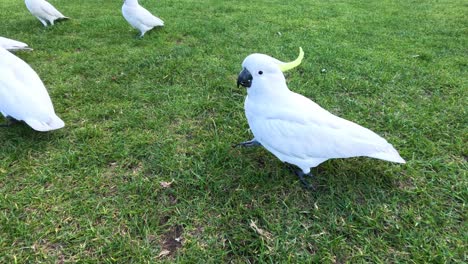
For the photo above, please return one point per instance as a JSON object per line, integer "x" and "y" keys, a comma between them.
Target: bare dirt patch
{"x": 172, "y": 240}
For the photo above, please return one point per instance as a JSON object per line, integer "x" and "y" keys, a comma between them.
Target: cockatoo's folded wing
{"x": 49, "y": 9}
{"x": 23, "y": 95}
{"x": 22, "y": 92}
{"x": 305, "y": 130}
{"x": 147, "y": 19}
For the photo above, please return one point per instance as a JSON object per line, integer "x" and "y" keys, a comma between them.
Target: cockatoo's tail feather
{"x": 13, "y": 45}
{"x": 52, "y": 124}
{"x": 390, "y": 155}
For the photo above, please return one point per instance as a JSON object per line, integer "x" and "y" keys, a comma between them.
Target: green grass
{"x": 139, "y": 112}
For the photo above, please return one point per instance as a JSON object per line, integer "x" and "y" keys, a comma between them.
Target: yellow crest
{"x": 286, "y": 66}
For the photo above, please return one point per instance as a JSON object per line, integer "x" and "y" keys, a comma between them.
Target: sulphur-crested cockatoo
{"x": 138, "y": 17}
{"x": 44, "y": 11}
{"x": 23, "y": 96}
{"x": 13, "y": 45}
{"x": 295, "y": 129}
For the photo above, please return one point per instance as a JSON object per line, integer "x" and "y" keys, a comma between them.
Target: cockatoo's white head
{"x": 260, "y": 70}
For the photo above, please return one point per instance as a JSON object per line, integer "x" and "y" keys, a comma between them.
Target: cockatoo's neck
{"x": 268, "y": 89}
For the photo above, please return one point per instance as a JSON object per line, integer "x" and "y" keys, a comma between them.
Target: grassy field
{"x": 140, "y": 113}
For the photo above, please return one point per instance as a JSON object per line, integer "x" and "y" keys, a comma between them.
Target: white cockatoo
{"x": 44, "y": 11}
{"x": 23, "y": 96}
{"x": 138, "y": 17}
{"x": 13, "y": 45}
{"x": 294, "y": 128}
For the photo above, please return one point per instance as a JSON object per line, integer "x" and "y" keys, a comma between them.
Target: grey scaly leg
{"x": 304, "y": 182}
{"x": 250, "y": 143}
{"x": 302, "y": 176}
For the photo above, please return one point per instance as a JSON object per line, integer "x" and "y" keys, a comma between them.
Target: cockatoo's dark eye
{"x": 260, "y": 73}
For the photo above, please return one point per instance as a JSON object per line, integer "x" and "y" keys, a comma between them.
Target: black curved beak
{"x": 244, "y": 79}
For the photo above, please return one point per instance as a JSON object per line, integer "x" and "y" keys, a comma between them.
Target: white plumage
{"x": 138, "y": 17}
{"x": 44, "y": 11}
{"x": 23, "y": 95}
{"x": 13, "y": 45}
{"x": 297, "y": 130}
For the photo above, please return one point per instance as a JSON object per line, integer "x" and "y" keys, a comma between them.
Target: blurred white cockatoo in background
{"x": 23, "y": 96}
{"x": 138, "y": 17}
{"x": 44, "y": 11}
{"x": 295, "y": 129}
{"x": 13, "y": 45}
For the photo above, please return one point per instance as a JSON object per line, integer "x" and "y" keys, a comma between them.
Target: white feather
{"x": 299, "y": 131}
{"x": 138, "y": 17}
{"x": 23, "y": 95}
{"x": 13, "y": 45}
{"x": 44, "y": 11}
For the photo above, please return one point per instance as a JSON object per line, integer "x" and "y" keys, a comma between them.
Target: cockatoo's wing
{"x": 23, "y": 95}
{"x": 13, "y": 45}
{"x": 49, "y": 9}
{"x": 302, "y": 130}
{"x": 146, "y": 18}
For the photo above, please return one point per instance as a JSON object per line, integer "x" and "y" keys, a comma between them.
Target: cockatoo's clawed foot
{"x": 10, "y": 121}
{"x": 302, "y": 177}
{"x": 250, "y": 143}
